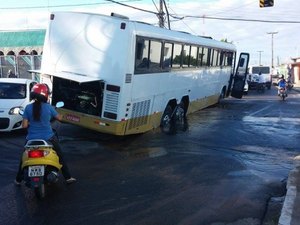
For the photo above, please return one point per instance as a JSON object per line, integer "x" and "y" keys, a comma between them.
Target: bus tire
{"x": 180, "y": 116}
{"x": 221, "y": 97}
{"x": 167, "y": 121}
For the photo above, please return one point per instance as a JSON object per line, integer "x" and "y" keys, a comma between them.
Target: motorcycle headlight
{"x": 15, "y": 110}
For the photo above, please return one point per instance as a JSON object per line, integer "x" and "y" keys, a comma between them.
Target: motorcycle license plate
{"x": 36, "y": 171}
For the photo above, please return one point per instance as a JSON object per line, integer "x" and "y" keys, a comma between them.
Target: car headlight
{"x": 15, "y": 110}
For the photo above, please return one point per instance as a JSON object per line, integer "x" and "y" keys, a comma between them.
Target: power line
{"x": 144, "y": 10}
{"x": 60, "y": 6}
{"x": 235, "y": 19}
{"x": 182, "y": 22}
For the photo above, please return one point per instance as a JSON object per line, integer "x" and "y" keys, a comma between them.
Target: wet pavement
{"x": 229, "y": 168}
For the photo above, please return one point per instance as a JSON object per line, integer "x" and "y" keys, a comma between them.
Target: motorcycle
{"x": 282, "y": 93}
{"x": 40, "y": 164}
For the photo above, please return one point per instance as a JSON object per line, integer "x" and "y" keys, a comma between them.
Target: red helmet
{"x": 40, "y": 92}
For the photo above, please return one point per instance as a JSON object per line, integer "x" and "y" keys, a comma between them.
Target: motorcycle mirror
{"x": 59, "y": 104}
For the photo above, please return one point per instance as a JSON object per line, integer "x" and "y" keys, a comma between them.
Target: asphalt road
{"x": 229, "y": 167}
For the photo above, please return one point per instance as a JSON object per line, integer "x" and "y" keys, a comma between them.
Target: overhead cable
{"x": 60, "y": 6}
{"x": 144, "y": 10}
{"x": 235, "y": 19}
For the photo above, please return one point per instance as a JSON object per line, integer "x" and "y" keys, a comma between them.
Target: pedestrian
{"x": 39, "y": 114}
{"x": 10, "y": 74}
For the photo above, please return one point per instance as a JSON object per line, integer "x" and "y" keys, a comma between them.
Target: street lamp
{"x": 260, "y": 57}
{"x": 272, "y": 33}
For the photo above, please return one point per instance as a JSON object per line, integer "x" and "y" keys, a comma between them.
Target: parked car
{"x": 14, "y": 95}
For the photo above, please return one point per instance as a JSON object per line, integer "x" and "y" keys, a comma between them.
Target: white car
{"x": 14, "y": 95}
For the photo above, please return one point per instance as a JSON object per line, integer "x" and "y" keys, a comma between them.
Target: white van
{"x": 264, "y": 71}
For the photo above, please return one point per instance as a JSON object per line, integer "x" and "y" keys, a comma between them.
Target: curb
{"x": 289, "y": 201}
{"x": 293, "y": 189}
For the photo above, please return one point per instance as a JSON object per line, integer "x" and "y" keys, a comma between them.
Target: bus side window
{"x": 186, "y": 55}
{"x": 216, "y": 58}
{"x": 155, "y": 56}
{"x": 229, "y": 58}
{"x": 193, "y": 56}
{"x": 167, "y": 56}
{"x": 205, "y": 56}
{"x": 200, "y": 56}
{"x": 142, "y": 55}
{"x": 221, "y": 63}
{"x": 176, "y": 60}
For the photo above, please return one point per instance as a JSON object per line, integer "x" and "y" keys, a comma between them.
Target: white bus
{"x": 124, "y": 77}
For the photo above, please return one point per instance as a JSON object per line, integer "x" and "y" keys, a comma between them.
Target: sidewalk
{"x": 290, "y": 213}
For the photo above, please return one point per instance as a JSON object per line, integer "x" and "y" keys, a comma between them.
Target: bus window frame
{"x": 196, "y": 58}
{"x": 206, "y": 56}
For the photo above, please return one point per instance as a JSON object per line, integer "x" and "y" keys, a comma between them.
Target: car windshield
{"x": 12, "y": 91}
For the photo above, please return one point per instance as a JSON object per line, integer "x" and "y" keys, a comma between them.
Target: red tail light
{"x": 36, "y": 153}
{"x": 36, "y": 179}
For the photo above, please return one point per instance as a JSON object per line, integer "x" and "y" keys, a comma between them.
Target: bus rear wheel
{"x": 167, "y": 122}
{"x": 180, "y": 116}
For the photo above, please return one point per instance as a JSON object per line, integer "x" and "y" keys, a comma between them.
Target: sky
{"x": 241, "y": 22}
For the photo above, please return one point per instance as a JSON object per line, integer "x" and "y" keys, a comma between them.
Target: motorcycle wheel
{"x": 40, "y": 191}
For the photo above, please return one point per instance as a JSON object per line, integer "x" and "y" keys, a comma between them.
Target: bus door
{"x": 239, "y": 78}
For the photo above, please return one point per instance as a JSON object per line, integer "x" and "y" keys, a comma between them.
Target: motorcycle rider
{"x": 38, "y": 115}
{"x": 281, "y": 84}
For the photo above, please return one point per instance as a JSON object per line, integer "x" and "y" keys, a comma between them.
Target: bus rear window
{"x": 261, "y": 69}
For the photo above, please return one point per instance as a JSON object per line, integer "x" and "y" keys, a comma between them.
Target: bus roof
{"x": 179, "y": 36}
{"x": 87, "y": 52}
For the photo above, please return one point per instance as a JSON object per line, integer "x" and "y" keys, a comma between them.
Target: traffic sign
{"x": 266, "y": 3}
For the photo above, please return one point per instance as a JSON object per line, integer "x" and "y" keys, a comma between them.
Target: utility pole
{"x": 272, "y": 46}
{"x": 260, "y": 57}
{"x": 161, "y": 14}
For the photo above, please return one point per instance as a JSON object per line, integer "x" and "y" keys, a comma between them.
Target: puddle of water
{"x": 265, "y": 162}
{"x": 151, "y": 152}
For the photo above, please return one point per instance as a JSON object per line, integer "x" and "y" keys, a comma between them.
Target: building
{"x": 295, "y": 69}
{"x": 21, "y": 51}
